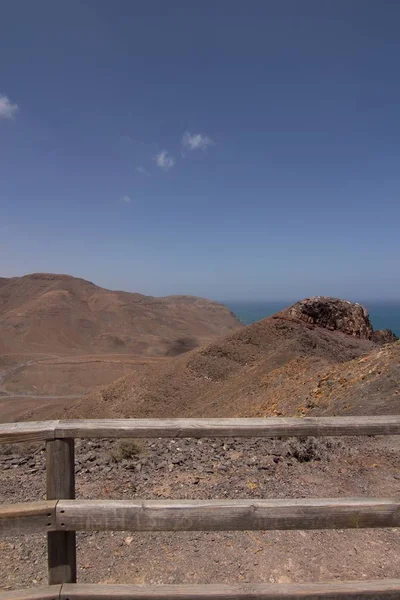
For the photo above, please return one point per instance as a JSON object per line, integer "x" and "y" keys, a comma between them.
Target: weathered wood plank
{"x": 351, "y": 590}
{"x": 27, "y": 517}
{"x": 40, "y": 593}
{"x": 60, "y": 469}
{"x": 27, "y": 432}
{"x": 197, "y": 428}
{"x": 385, "y": 589}
{"x": 271, "y": 427}
{"x": 223, "y": 515}
{"x": 61, "y": 545}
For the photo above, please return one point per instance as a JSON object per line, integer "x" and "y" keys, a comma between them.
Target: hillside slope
{"x": 281, "y": 365}
{"x": 62, "y": 314}
{"x": 297, "y": 362}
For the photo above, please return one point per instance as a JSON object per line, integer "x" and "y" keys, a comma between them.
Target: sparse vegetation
{"x": 127, "y": 450}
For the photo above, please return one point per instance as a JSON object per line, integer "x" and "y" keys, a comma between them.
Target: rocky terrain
{"x": 219, "y": 468}
{"x": 320, "y": 356}
{"x": 317, "y": 357}
{"x": 60, "y": 336}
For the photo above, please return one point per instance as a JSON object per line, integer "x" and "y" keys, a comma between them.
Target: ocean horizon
{"x": 383, "y": 314}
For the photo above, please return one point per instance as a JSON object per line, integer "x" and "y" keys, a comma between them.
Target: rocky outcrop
{"x": 384, "y": 336}
{"x": 334, "y": 314}
{"x": 339, "y": 315}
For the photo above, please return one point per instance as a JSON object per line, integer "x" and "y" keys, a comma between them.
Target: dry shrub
{"x": 127, "y": 450}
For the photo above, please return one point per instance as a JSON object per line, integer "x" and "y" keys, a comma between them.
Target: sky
{"x": 227, "y": 149}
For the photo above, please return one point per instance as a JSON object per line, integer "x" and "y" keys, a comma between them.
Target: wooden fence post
{"x": 61, "y": 545}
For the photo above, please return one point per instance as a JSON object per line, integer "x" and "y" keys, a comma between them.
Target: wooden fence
{"x": 61, "y": 515}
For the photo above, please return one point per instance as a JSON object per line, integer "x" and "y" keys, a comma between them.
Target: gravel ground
{"x": 233, "y": 468}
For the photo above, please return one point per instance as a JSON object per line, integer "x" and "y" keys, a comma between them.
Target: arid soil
{"x": 42, "y": 383}
{"x": 221, "y": 468}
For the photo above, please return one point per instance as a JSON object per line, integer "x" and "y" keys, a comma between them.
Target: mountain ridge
{"x": 58, "y": 312}
{"x": 271, "y": 367}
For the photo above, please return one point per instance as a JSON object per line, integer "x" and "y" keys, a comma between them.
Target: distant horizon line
{"x": 293, "y": 301}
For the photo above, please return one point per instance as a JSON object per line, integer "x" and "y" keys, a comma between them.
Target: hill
{"x": 60, "y": 336}
{"x": 59, "y": 313}
{"x": 317, "y": 357}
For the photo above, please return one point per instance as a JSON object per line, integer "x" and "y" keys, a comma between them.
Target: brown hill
{"x": 61, "y": 336}
{"x": 285, "y": 364}
{"x": 50, "y": 313}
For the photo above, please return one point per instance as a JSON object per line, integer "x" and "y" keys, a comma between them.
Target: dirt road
{"x": 31, "y": 382}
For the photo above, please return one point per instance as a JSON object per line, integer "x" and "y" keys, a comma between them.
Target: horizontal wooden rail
{"x": 385, "y": 589}
{"x": 27, "y": 432}
{"x": 198, "y": 515}
{"x": 197, "y": 428}
{"x": 222, "y": 515}
{"x": 362, "y": 590}
{"x": 27, "y": 517}
{"x": 225, "y": 515}
{"x": 51, "y": 592}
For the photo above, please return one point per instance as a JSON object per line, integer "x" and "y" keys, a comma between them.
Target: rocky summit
{"x": 339, "y": 315}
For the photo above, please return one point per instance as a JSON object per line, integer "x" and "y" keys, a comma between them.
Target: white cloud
{"x": 7, "y": 109}
{"x": 196, "y": 141}
{"x": 164, "y": 160}
{"x": 126, "y": 199}
{"x": 142, "y": 170}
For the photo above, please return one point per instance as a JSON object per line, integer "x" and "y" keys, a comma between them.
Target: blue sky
{"x": 225, "y": 149}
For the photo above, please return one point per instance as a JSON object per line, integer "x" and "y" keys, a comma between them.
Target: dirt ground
{"x": 39, "y": 382}
{"x": 232, "y": 468}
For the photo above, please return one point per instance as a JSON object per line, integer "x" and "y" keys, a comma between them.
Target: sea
{"x": 383, "y": 314}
